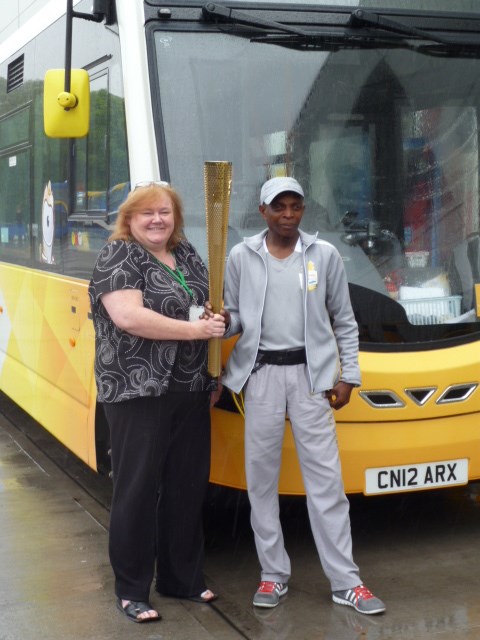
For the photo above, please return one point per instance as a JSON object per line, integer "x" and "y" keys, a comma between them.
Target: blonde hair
{"x": 140, "y": 199}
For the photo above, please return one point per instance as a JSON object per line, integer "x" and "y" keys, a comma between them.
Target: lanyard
{"x": 178, "y": 276}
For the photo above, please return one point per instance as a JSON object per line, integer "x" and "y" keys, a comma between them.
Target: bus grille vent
{"x": 382, "y": 399}
{"x": 421, "y": 394}
{"x": 457, "y": 393}
{"x": 385, "y": 399}
{"x": 15, "y": 74}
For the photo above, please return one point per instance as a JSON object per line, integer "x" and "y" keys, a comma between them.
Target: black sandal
{"x": 205, "y": 597}
{"x": 133, "y": 609}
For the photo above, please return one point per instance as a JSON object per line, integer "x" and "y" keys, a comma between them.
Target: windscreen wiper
{"x": 214, "y": 12}
{"x": 362, "y": 18}
{"x": 351, "y": 35}
{"x": 281, "y": 34}
{"x": 358, "y": 18}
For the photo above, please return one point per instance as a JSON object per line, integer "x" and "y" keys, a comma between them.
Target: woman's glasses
{"x": 151, "y": 183}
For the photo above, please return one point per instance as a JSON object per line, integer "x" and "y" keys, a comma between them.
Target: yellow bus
{"x": 374, "y": 110}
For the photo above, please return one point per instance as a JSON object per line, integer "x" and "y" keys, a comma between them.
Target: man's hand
{"x": 208, "y": 313}
{"x": 339, "y": 395}
{"x": 215, "y": 395}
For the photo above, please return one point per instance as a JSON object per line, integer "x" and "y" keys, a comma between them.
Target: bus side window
{"x": 15, "y": 181}
{"x": 101, "y": 159}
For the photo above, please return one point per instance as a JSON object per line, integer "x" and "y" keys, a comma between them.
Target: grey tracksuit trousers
{"x": 271, "y": 391}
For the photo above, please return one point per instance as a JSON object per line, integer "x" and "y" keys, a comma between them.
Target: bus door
{"x": 73, "y": 203}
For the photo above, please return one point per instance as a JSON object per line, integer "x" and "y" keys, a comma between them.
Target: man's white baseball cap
{"x": 274, "y": 187}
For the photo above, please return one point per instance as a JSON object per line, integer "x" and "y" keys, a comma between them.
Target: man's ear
{"x": 263, "y": 212}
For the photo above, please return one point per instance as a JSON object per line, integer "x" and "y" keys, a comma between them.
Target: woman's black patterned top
{"x": 127, "y": 366}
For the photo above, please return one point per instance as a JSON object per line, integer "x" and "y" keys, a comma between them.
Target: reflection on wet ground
{"x": 418, "y": 552}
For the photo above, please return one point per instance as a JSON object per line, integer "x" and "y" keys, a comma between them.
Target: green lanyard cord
{"x": 178, "y": 276}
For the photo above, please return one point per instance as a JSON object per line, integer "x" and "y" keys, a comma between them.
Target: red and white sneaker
{"x": 268, "y": 594}
{"x": 361, "y": 599}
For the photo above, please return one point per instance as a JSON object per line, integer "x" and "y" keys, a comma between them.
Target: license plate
{"x": 409, "y": 477}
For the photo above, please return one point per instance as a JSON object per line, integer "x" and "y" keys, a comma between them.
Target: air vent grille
{"x": 420, "y": 395}
{"x": 457, "y": 393}
{"x": 15, "y": 74}
{"x": 382, "y": 399}
{"x": 386, "y": 399}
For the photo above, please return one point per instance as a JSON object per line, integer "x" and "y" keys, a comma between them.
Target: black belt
{"x": 287, "y": 357}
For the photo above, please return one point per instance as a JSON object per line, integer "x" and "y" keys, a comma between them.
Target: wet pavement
{"x": 418, "y": 552}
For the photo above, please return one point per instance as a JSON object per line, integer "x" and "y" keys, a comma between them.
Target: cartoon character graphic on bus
{"x": 48, "y": 225}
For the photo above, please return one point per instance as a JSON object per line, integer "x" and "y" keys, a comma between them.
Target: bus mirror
{"x": 66, "y": 114}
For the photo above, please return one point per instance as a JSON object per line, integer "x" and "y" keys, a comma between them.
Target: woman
{"x": 147, "y": 294}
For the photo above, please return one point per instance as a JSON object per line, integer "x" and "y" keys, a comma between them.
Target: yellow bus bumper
{"x": 362, "y": 446}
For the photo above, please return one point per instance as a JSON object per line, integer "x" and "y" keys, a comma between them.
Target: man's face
{"x": 284, "y": 214}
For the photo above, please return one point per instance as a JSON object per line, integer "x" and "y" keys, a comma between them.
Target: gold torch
{"x": 218, "y": 182}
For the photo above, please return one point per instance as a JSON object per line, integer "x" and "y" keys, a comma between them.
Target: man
{"x": 286, "y": 294}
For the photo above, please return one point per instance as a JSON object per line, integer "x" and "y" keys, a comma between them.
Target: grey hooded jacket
{"x": 331, "y": 332}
